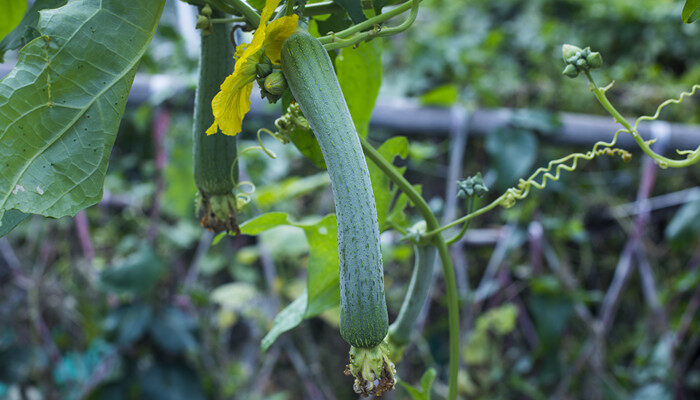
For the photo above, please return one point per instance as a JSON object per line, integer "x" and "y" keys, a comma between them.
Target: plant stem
{"x": 239, "y": 7}
{"x": 326, "y": 7}
{"x": 469, "y": 216}
{"x": 447, "y": 268}
{"x": 226, "y": 20}
{"x": 371, "y": 22}
{"x": 461, "y": 233}
{"x": 661, "y": 160}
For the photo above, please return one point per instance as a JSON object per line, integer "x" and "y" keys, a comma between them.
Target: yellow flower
{"x": 230, "y": 105}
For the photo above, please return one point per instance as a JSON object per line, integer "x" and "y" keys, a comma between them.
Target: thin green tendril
{"x": 523, "y": 189}
{"x": 656, "y": 115}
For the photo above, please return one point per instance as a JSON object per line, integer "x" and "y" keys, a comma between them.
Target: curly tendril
{"x": 656, "y": 115}
{"x": 523, "y": 189}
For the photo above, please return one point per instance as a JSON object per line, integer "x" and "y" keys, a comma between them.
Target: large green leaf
{"x": 384, "y": 190}
{"x": 11, "y": 15}
{"x": 512, "y": 153}
{"x": 691, "y": 11}
{"x": 27, "y": 28}
{"x": 323, "y": 291}
{"x": 61, "y": 105}
{"x": 353, "y": 8}
{"x": 359, "y": 71}
{"x": 10, "y": 220}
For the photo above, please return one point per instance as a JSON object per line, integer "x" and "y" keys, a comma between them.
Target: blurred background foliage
{"x": 150, "y": 307}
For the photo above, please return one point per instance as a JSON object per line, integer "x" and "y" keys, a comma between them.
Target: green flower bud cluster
{"x": 474, "y": 185}
{"x": 579, "y": 60}
{"x": 203, "y": 20}
{"x": 271, "y": 81}
{"x": 289, "y": 122}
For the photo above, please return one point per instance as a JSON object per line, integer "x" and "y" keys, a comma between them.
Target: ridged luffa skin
{"x": 213, "y": 154}
{"x": 311, "y": 78}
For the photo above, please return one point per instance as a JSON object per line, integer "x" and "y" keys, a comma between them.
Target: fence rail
{"x": 410, "y": 118}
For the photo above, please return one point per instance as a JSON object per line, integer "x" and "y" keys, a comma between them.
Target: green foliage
{"x": 64, "y": 113}
{"x": 322, "y": 277}
{"x": 129, "y": 322}
{"x": 500, "y": 54}
{"x": 684, "y": 228}
{"x": 163, "y": 381}
{"x": 171, "y": 330}
{"x": 353, "y": 8}
{"x": 27, "y": 29}
{"x": 384, "y": 191}
{"x": 138, "y": 274}
{"x": 13, "y": 11}
{"x": 691, "y": 11}
{"x": 289, "y": 188}
{"x": 10, "y": 220}
{"x": 512, "y": 153}
{"x": 498, "y": 322}
{"x": 444, "y": 96}
{"x": 426, "y": 383}
{"x": 359, "y": 71}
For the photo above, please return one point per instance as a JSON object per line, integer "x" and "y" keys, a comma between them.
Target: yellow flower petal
{"x": 267, "y": 11}
{"x": 277, "y": 32}
{"x": 230, "y": 105}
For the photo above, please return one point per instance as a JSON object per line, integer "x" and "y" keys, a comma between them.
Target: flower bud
{"x": 263, "y": 69}
{"x": 203, "y": 22}
{"x": 594, "y": 60}
{"x": 206, "y": 10}
{"x": 275, "y": 83}
{"x": 570, "y": 71}
{"x": 569, "y": 51}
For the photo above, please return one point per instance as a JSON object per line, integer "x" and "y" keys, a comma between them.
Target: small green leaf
{"x": 426, "y": 381}
{"x": 691, "y": 11}
{"x": 323, "y": 290}
{"x": 287, "y": 319}
{"x": 684, "y": 228}
{"x": 499, "y": 320}
{"x": 512, "y": 153}
{"x": 60, "y": 107}
{"x": 138, "y": 274}
{"x": 11, "y": 15}
{"x": 129, "y": 322}
{"x": 426, "y": 384}
{"x": 353, "y": 8}
{"x": 10, "y": 220}
{"x": 171, "y": 330}
{"x": 264, "y": 222}
{"x": 360, "y": 76}
{"x": 276, "y": 193}
{"x": 443, "y": 96}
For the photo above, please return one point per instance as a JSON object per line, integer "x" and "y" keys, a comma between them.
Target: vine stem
{"x": 337, "y": 40}
{"x": 467, "y": 217}
{"x": 663, "y": 162}
{"x": 238, "y": 7}
{"x": 450, "y": 282}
